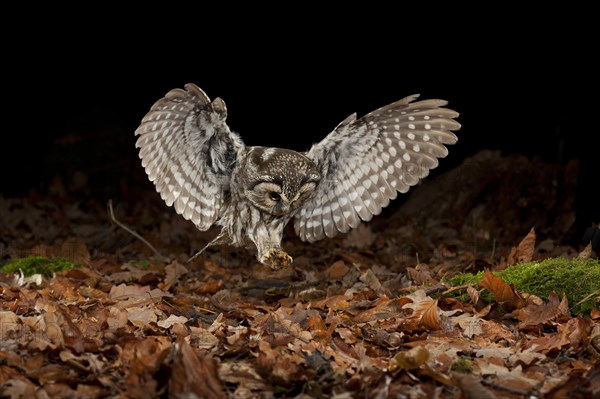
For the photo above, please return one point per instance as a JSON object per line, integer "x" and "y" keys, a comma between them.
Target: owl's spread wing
{"x": 189, "y": 152}
{"x": 365, "y": 162}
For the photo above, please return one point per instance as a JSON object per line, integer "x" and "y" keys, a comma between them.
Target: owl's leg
{"x": 275, "y": 257}
{"x": 266, "y": 234}
{"x": 222, "y": 238}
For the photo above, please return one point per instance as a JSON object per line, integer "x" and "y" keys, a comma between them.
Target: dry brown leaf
{"x": 495, "y": 331}
{"x": 524, "y": 251}
{"x": 471, "y": 387}
{"x": 124, "y": 291}
{"x": 410, "y": 359}
{"x": 135, "y": 295}
{"x": 142, "y": 358}
{"x": 171, "y": 320}
{"x": 595, "y": 341}
{"x": 334, "y": 302}
{"x": 281, "y": 366}
{"x": 430, "y": 316}
{"x": 9, "y": 373}
{"x": 211, "y": 286}
{"x": 86, "y": 361}
{"x": 72, "y": 336}
{"x": 173, "y": 272}
{"x": 471, "y": 325}
{"x": 473, "y": 294}
{"x": 503, "y": 293}
{"x": 385, "y": 309}
{"x": 10, "y": 325}
{"x": 425, "y": 310}
{"x": 586, "y": 253}
{"x": 571, "y": 334}
{"x": 142, "y": 316}
{"x": 337, "y": 271}
{"x": 421, "y": 274}
{"x": 117, "y": 318}
{"x": 533, "y": 315}
{"x": 317, "y": 328}
{"x": 242, "y": 373}
{"x": 16, "y": 388}
{"x": 370, "y": 280}
{"x": 192, "y": 376}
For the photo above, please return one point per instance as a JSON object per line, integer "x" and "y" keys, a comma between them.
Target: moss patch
{"x": 577, "y": 278}
{"x": 38, "y": 264}
{"x": 462, "y": 365}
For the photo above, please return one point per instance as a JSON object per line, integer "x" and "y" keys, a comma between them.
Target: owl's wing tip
{"x": 198, "y": 93}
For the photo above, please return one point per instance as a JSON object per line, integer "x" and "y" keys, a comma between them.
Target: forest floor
{"x": 368, "y": 314}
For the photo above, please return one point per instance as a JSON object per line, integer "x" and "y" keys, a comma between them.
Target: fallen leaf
{"x": 142, "y": 316}
{"x": 410, "y": 359}
{"x": 370, "y": 280}
{"x": 471, "y": 387}
{"x": 425, "y": 311}
{"x": 9, "y": 325}
{"x": 503, "y": 293}
{"x": 117, "y": 318}
{"x": 17, "y": 388}
{"x": 421, "y": 274}
{"x": 586, "y": 253}
{"x": 385, "y": 309}
{"x": 337, "y": 270}
{"x": 173, "y": 272}
{"x": 524, "y": 251}
{"x": 335, "y": 302}
{"x": 533, "y": 315}
{"x": 124, "y": 291}
{"x": 142, "y": 358}
{"x": 473, "y": 294}
{"x": 172, "y": 319}
{"x": 211, "y": 286}
{"x": 244, "y": 375}
{"x": 193, "y": 376}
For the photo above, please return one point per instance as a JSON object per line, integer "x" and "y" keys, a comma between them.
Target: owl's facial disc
{"x": 279, "y": 199}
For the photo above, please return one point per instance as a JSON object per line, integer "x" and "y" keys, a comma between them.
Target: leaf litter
{"x": 366, "y": 315}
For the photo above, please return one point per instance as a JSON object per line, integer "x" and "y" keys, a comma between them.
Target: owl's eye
{"x": 274, "y": 196}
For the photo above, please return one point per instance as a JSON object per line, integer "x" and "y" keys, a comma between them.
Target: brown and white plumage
{"x": 209, "y": 175}
{"x": 366, "y": 161}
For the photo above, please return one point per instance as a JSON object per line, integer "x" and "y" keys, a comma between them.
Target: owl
{"x": 205, "y": 171}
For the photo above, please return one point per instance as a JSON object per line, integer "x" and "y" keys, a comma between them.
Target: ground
{"x": 368, "y": 314}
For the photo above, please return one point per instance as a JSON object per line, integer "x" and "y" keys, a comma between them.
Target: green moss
{"x": 462, "y": 365}
{"x": 142, "y": 263}
{"x": 38, "y": 264}
{"x": 576, "y": 278}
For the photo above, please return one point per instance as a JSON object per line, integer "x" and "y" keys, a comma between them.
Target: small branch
{"x": 507, "y": 389}
{"x": 133, "y": 233}
{"x": 587, "y": 298}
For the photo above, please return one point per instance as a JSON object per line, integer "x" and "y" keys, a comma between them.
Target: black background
{"x": 523, "y": 83}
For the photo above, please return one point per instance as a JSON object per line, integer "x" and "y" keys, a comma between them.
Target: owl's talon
{"x": 276, "y": 258}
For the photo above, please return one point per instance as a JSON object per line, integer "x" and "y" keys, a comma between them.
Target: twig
{"x": 515, "y": 391}
{"x": 587, "y": 298}
{"x": 133, "y": 233}
{"x": 452, "y": 289}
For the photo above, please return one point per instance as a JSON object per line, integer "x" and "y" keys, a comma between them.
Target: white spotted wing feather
{"x": 188, "y": 152}
{"x": 366, "y": 162}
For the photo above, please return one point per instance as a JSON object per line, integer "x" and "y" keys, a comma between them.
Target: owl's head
{"x": 279, "y": 181}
